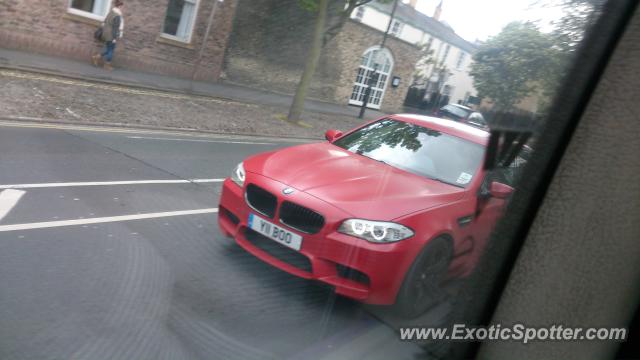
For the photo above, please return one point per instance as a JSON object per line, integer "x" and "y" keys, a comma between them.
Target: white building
{"x": 449, "y": 49}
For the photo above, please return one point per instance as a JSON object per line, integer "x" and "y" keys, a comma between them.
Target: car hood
{"x": 361, "y": 186}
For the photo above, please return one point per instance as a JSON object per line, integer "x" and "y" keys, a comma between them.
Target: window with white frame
{"x": 96, "y": 9}
{"x": 359, "y": 13}
{"x": 461, "y": 57}
{"x": 396, "y": 28}
{"x": 446, "y": 53}
{"x": 181, "y": 15}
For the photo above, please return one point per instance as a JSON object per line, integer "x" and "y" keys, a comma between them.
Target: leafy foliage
{"x": 427, "y": 59}
{"x": 309, "y": 5}
{"x": 570, "y": 30}
{"x": 543, "y": 58}
{"x": 388, "y": 133}
{"x": 514, "y": 63}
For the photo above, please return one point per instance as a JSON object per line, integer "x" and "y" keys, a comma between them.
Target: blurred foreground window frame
{"x": 98, "y": 8}
{"x": 186, "y": 20}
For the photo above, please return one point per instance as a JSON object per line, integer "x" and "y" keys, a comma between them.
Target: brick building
{"x": 163, "y": 36}
{"x": 270, "y": 39}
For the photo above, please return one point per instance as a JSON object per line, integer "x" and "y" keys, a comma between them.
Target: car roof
{"x": 461, "y": 107}
{"x": 450, "y": 127}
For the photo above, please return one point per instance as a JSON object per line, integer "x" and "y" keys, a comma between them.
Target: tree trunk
{"x": 295, "y": 112}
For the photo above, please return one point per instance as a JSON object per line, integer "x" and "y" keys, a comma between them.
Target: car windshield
{"x": 417, "y": 149}
{"x": 454, "y": 110}
{"x": 477, "y": 118}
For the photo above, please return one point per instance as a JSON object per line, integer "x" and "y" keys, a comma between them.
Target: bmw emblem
{"x": 287, "y": 191}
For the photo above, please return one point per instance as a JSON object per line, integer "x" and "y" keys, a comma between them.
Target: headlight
{"x": 375, "y": 231}
{"x": 238, "y": 175}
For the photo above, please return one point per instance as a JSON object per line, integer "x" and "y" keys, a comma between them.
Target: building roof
{"x": 415, "y": 18}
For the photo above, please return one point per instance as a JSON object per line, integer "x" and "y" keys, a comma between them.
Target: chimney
{"x": 413, "y": 3}
{"x": 438, "y": 12}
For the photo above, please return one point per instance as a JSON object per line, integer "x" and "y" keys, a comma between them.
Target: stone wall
{"x": 352, "y": 42}
{"x": 270, "y": 41}
{"x": 46, "y": 27}
{"x": 268, "y": 47}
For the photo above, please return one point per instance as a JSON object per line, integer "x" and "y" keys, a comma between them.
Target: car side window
{"x": 477, "y": 117}
{"x": 505, "y": 175}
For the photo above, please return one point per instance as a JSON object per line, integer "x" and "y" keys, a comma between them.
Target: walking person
{"x": 112, "y": 30}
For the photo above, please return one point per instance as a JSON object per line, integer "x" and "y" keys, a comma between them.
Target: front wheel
{"x": 421, "y": 288}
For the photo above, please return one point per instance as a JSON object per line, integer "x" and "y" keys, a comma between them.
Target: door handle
{"x": 465, "y": 220}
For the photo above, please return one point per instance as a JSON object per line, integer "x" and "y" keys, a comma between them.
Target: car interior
{"x": 574, "y": 220}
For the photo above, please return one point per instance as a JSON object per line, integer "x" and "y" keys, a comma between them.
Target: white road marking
{"x": 106, "y": 183}
{"x": 8, "y": 199}
{"x": 122, "y": 130}
{"x": 199, "y": 140}
{"x": 99, "y": 220}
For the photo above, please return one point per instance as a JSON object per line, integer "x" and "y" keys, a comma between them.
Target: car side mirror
{"x": 500, "y": 190}
{"x": 332, "y": 135}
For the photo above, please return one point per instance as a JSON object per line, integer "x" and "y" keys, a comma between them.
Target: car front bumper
{"x": 357, "y": 269}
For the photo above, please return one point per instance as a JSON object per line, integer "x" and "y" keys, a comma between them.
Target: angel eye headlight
{"x": 238, "y": 175}
{"x": 375, "y": 231}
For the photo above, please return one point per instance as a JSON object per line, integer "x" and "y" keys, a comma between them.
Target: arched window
{"x": 384, "y": 67}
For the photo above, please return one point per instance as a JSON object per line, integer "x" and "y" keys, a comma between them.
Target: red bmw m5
{"x": 383, "y": 213}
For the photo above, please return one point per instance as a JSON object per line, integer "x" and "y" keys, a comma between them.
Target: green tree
{"x": 514, "y": 64}
{"x": 559, "y": 49}
{"x": 579, "y": 15}
{"x": 567, "y": 35}
{"x": 421, "y": 74}
{"x": 327, "y": 26}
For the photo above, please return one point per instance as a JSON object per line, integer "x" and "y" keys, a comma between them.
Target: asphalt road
{"x": 84, "y": 275}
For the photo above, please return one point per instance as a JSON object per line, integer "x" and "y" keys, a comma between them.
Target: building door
{"x": 385, "y": 66}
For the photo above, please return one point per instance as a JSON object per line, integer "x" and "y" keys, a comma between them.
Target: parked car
{"x": 462, "y": 114}
{"x": 383, "y": 213}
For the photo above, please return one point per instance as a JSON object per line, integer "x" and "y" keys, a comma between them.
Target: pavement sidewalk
{"x": 52, "y": 65}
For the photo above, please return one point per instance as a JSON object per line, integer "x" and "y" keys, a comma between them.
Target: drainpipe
{"x": 196, "y": 65}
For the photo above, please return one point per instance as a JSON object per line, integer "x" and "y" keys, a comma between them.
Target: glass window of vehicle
{"x": 90, "y": 8}
{"x": 179, "y": 19}
{"x": 505, "y": 175}
{"x": 477, "y": 118}
{"x": 417, "y": 149}
{"x": 455, "y": 110}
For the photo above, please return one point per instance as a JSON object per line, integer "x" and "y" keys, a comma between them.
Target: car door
{"x": 489, "y": 210}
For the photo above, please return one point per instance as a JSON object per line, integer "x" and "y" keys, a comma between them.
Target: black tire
{"x": 421, "y": 288}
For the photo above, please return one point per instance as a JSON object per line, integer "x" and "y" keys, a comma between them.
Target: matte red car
{"x": 382, "y": 213}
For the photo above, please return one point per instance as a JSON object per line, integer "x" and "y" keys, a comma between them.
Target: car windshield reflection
{"x": 418, "y": 150}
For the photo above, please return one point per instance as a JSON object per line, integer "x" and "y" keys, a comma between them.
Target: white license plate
{"x": 275, "y": 232}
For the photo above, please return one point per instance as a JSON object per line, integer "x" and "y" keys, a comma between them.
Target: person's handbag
{"x": 98, "y": 34}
